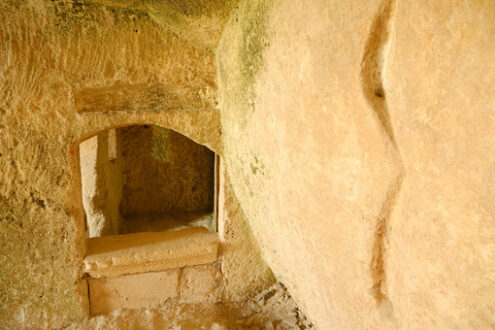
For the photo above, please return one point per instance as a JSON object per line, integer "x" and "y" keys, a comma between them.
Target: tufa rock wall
{"x": 182, "y": 180}
{"x": 68, "y": 69}
{"x": 359, "y": 139}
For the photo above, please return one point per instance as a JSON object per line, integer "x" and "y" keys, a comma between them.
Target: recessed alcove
{"x": 149, "y": 196}
{"x": 145, "y": 178}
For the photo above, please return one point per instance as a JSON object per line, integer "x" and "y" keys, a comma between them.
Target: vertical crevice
{"x": 372, "y": 66}
{"x": 377, "y": 264}
{"x": 86, "y": 280}
{"x": 372, "y": 72}
{"x": 179, "y": 283}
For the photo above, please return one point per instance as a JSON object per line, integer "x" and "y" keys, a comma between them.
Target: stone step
{"x": 114, "y": 256}
{"x": 194, "y": 284}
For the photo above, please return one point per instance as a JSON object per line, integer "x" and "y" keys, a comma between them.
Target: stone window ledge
{"x": 113, "y": 256}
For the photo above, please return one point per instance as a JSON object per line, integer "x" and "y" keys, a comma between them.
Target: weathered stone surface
{"x": 132, "y": 291}
{"x": 244, "y": 272}
{"x": 165, "y": 173}
{"x": 52, "y": 52}
{"x": 441, "y": 79}
{"x": 315, "y": 189}
{"x": 144, "y": 252}
{"x": 358, "y": 137}
{"x": 200, "y": 283}
{"x": 101, "y": 185}
{"x": 270, "y": 309}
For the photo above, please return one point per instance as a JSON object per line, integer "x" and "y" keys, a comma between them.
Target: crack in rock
{"x": 377, "y": 265}
{"x": 372, "y": 70}
{"x": 372, "y": 66}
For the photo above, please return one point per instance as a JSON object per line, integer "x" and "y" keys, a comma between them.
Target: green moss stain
{"x": 241, "y": 59}
{"x": 71, "y": 13}
{"x": 257, "y": 166}
{"x": 160, "y": 144}
{"x": 181, "y": 17}
{"x": 198, "y": 7}
{"x": 254, "y": 39}
{"x": 198, "y": 22}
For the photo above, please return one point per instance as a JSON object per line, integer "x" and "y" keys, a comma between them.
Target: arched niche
{"x": 149, "y": 196}
{"x": 146, "y": 178}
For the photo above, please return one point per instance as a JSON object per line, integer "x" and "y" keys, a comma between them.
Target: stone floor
{"x": 270, "y": 309}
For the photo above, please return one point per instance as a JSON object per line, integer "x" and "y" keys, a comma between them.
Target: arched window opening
{"x": 150, "y": 200}
{"x": 145, "y": 178}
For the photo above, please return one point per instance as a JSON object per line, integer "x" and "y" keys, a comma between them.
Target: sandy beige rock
{"x": 200, "y": 284}
{"x": 144, "y": 252}
{"x": 101, "y": 182}
{"x": 54, "y": 50}
{"x": 357, "y": 137}
{"x": 316, "y": 190}
{"x": 68, "y": 71}
{"x": 440, "y": 77}
{"x": 244, "y": 272}
{"x": 132, "y": 291}
{"x": 274, "y": 305}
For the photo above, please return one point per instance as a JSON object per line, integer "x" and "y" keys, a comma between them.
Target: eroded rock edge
{"x": 372, "y": 69}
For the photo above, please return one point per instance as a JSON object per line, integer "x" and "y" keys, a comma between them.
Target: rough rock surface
{"x": 68, "y": 69}
{"x": 272, "y": 308}
{"x": 441, "y": 79}
{"x": 359, "y": 137}
{"x": 181, "y": 181}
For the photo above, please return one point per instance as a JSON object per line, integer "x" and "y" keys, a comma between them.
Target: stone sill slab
{"x": 113, "y": 256}
{"x": 188, "y": 285}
